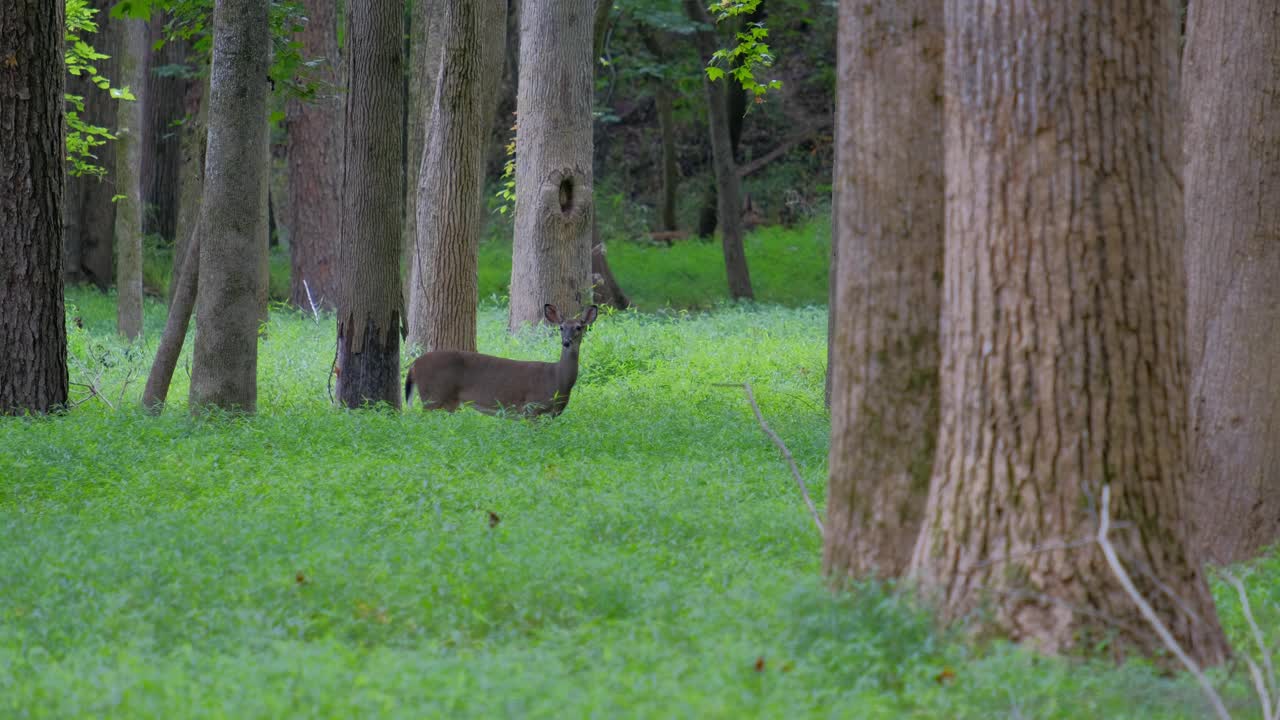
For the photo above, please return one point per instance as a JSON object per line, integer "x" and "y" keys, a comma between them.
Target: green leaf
{"x": 715, "y": 73}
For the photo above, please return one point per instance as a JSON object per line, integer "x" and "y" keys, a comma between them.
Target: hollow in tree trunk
{"x": 884, "y": 341}
{"x": 370, "y": 306}
{"x": 1063, "y": 337}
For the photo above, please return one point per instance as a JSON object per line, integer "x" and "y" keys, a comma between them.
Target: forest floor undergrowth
{"x": 647, "y": 555}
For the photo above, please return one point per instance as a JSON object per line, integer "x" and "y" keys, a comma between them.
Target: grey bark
{"x": 370, "y": 311}
{"x": 128, "y": 178}
{"x": 551, "y": 259}
{"x": 1232, "y": 96}
{"x": 225, "y": 361}
{"x": 315, "y": 167}
{"x": 185, "y": 284}
{"x": 193, "y": 142}
{"x": 888, "y": 222}
{"x": 444, "y": 295}
{"x": 33, "y": 338}
{"x": 426, "y": 45}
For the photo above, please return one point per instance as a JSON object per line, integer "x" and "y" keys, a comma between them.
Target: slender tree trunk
{"x": 370, "y": 310}
{"x": 426, "y": 43}
{"x": 91, "y": 213}
{"x": 194, "y": 136}
{"x": 161, "y": 151}
{"x": 315, "y": 167}
{"x": 225, "y": 361}
{"x": 1232, "y": 95}
{"x": 670, "y": 170}
{"x": 551, "y": 261}
{"x": 1063, "y": 335}
{"x": 33, "y": 335}
{"x": 604, "y": 285}
{"x": 884, "y": 410}
{"x": 129, "y": 184}
{"x": 263, "y": 288}
{"x": 185, "y": 286}
{"x": 728, "y": 185}
{"x": 444, "y": 298}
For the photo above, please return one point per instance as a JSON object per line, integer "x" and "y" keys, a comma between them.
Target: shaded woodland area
{"x": 1040, "y": 411}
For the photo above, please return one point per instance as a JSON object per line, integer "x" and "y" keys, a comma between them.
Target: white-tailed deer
{"x": 447, "y": 379}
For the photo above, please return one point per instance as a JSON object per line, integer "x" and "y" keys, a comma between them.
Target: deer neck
{"x": 567, "y": 370}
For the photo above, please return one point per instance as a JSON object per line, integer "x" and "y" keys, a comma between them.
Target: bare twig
{"x": 314, "y": 312}
{"x": 795, "y": 471}
{"x": 1149, "y": 614}
{"x": 1266, "y": 686}
{"x": 125, "y": 386}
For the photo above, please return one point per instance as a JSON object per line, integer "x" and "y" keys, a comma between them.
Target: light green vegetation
{"x": 313, "y": 562}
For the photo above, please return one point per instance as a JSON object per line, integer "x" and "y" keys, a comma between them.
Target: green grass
{"x": 312, "y": 562}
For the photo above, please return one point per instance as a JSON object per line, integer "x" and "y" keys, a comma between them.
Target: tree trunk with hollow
{"x": 1063, "y": 337}
{"x": 444, "y": 295}
{"x": 225, "y": 360}
{"x": 128, "y": 179}
{"x": 370, "y": 307}
{"x": 1232, "y": 95}
{"x": 728, "y": 187}
{"x": 315, "y": 167}
{"x": 551, "y": 258}
{"x": 33, "y": 336}
{"x": 884, "y": 341}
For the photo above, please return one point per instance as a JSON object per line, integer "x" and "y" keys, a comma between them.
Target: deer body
{"x": 447, "y": 379}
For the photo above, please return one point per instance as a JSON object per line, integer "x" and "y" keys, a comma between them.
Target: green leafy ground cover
{"x": 651, "y": 553}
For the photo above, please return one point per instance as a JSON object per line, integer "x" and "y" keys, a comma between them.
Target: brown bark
{"x": 370, "y": 310}
{"x": 425, "y": 47}
{"x": 1063, "y": 335}
{"x": 131, "y": 59}
{"x": 193, "y": 141}
{"x": 224, "y": 364}
{"x": 728, "y": 186}
{"x": 315, "y": 167}
{"x": 162, "y": 151}
{"x": 185, "y": 286}
{"x": 670, "y": 171}
{"x": 884, "y": 342}
{"x": 1232, "y": 95}
{"x": 444, "y": 295}
{"x": 551, "y": 260}
{"x": 33, "y": 338}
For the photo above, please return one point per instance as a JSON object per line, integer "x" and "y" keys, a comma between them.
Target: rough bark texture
{"x": 1063, "y": 327}
{"x": 728, "y": 185}
{"x": 315, "y": 167}
{"x": 162, "y": 150}
{"x": 128, "y": 179}
{"x": 185, "y": 285}
{"x": 33, "y": 336}
{"x": 442, "y": 309}
{"x": 884, "y": 398}
{"x": 89, "y": 212}
{"x": 370, "y": 310}
{"x": 225, "y": 362}
{"x": 194, "y": 136}
{"x": 1232, "y": 95}
{"x": 426, "y": 42}
{"x": 551, "y": 260}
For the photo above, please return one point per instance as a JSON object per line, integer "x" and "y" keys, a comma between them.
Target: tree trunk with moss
{"x": 884, "y": 340}
{"x": 370, "y": 307}
{"x": 1232, "y": 74}
{"x": 1063, "y": 335}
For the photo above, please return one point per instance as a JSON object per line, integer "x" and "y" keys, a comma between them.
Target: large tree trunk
{"x": 33, "y": 335}
{"x": 884, "y": 342}
{"x": 225, "y": 362}
{"x": 128, "y": 180}
{"x": 728, "y": 186}
{"x": 370, "y": 309}
{"x": 444, "y": 295}
{"x": 194, "y": 137}
{"x": 426, "y": 42}
{"x": 1232, "y": 96}
{"x": 551, "y": 260}
{"x": 1063, "y": 336}
{"x": 315, "y": 168}
{"x": 90, "y": 213}
{"x": 161, "y": 151}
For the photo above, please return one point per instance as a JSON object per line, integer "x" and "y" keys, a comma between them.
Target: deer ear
{"x": 551, "y": 314}
{"x": 590, "y": 315}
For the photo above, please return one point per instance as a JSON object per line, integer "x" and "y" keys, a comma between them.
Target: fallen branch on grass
{"x": 795, "y": 471}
